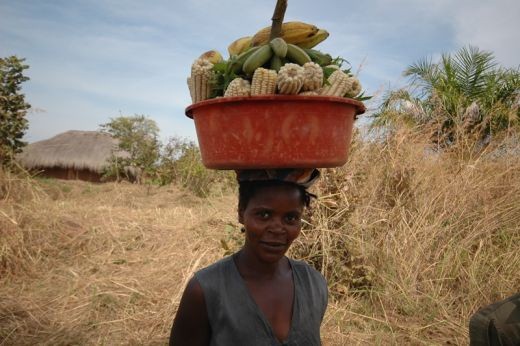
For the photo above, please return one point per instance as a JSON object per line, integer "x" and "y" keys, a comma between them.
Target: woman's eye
{"x": 293, "y": 218}
{"x": 264, "y": 214}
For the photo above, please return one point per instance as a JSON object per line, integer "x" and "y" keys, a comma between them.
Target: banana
{"x": 292, "y": 32}
{"x": 318, "y": 57}
{"x": 279, "y": 47}
{"x": 276, "y": 63}
{"x": 313, "y": 41}
{"x": 257, "y": 59}
{"x": 237, "y": 62}
{"x": 240, "y": 45}
{"x": 297, "y": 55}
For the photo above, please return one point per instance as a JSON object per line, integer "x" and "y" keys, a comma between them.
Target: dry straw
{"x": 411, "y": 240}
{"x": 79, "y": 150}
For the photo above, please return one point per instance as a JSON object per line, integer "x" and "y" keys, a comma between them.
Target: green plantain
{"x": 297, "y": 54}
{"x": 257, "y": 59}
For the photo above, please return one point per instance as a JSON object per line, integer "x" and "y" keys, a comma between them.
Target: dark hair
{"x": 247, "y": 189}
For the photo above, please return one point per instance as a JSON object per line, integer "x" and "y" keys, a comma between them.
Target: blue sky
{"x": 93, "y": 60}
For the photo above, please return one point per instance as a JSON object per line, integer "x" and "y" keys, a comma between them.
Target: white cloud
{"x": 492, "y": 26}
{"x": 94, "y": 58}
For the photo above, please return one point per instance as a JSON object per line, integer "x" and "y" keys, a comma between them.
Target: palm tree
{"x": 466, "y": 90}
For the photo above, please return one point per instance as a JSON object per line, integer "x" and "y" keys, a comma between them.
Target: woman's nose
{"x": 276, "y": 225}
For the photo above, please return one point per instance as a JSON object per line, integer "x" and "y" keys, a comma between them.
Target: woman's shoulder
{"x": 214, "y": 271}
{"x": 303, "y": 268}
{"x": 312, "y": 287}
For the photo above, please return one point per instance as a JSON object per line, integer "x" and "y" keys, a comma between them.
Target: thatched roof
{"x": 72, "y": 149}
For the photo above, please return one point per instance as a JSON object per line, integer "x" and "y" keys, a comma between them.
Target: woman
{"x": 258, "y": 296}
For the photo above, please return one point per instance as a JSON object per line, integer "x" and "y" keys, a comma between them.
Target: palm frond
{"x": 423, "y": 74}
{"x": 471, "y": 67}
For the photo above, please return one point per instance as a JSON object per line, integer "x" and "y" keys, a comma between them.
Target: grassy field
{"x": 412, "y": 243}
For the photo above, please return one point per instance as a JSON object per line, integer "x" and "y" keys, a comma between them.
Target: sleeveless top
{"x": 235, "y": 319}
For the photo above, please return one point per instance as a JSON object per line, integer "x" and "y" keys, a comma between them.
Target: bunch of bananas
{"x": 274, "y": 55}
{"x": 288, "y": 64}
{"x": 294, "y": 46}
{"x": 298, "y": 33}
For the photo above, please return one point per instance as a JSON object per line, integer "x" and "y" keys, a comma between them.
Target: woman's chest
{"x": 275, "y": 300}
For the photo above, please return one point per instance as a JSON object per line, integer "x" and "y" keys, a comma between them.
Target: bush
{"x": 181, "y": 163}
{"x": 138, "y": 147}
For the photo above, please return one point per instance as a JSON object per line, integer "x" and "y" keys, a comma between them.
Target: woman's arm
{"x": 191, "y": 324}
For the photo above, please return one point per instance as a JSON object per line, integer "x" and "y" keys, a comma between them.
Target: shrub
{"x": 181, "y": 163}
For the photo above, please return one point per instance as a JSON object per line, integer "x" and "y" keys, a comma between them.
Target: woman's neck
{"x": 250, "y": 266}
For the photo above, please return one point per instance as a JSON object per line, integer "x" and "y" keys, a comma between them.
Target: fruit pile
{"x": 287, "y": 65}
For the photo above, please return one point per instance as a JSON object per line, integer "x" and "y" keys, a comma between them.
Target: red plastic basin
{"x": 274, "y": 131}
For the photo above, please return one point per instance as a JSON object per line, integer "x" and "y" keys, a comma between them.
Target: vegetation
{"x": 138, "y": 148}
{"x": 141, "y": 157}
{"x": 464, "y": 95}
{"x": 13, "y": 108}
{"x": 181, "y": 163}
{"x": 411, "y": 245}
{"x": 412, "y": 239}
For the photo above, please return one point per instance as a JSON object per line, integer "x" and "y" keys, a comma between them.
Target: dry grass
{"x": 411, "y": 243}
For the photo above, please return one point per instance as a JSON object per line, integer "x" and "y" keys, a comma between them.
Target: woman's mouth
{"x": 273, "y": 246}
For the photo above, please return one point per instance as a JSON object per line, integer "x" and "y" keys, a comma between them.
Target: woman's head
{"x": 271, "y": 213}
{"x": 247, "y": 189}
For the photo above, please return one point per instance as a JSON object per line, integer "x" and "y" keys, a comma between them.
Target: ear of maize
{"x": 238, "y": 87}
{"x": 310, "y": 93}
{"x": 200, "y": 82}
{"x": 337, "y": 84}
{"x": 290, "y": 79}
{"x": 264, "y": 82}
{"x": 353, "y": 87}
{"x": 312, "y": 76}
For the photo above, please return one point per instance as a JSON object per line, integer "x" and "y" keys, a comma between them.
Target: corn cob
{"x": 353, "y": 87}
{"x": 201, "y": 76}
{"x": 292, "y": 32}
{"x": 264, "y": 82}
{"x": 337, "y": 84}
{"x": 290, "y": 79}
{"x": 310, "y": 93}
{"x": 191, "y": 88}
{"x": 312, "y": 76}
{"x": 238, "y": 87}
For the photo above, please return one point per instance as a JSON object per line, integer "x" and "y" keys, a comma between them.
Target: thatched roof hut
{"x": 70, "y": 155}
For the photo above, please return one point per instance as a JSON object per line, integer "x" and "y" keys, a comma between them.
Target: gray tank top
{"x": 235, "y": 319}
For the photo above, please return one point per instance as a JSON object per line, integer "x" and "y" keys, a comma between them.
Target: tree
{"x": 138, "y": 146}
{"x": 13, "y": 108}
{"x": 466, "y": 91}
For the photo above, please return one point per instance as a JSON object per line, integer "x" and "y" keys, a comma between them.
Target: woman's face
{"x": 272, "y": 219}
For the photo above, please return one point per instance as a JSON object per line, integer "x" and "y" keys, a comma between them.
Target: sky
{"x": 93, "y": 60}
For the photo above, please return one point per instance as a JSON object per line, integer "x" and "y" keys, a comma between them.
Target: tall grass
{"x": 411, "y": 240}
{"x": 420, "y": 238}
